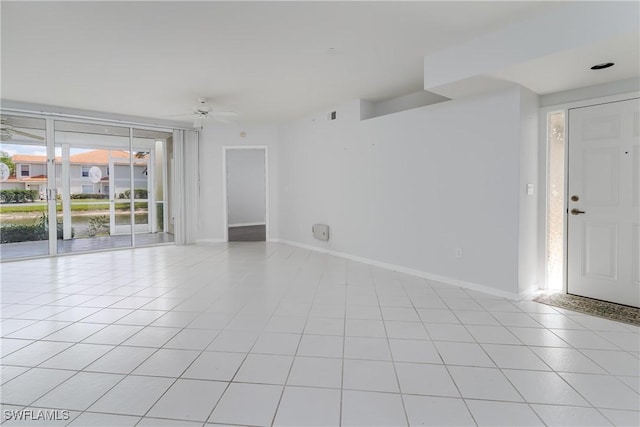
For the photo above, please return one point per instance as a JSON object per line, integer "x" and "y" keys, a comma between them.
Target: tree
{"x": 6, "y": 159}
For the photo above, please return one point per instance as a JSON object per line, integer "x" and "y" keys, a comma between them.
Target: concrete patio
{"x": 41, "y": 248}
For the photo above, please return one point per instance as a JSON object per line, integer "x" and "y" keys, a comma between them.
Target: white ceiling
{"x": 268, "y": 61}
{"x": 571, "y": 69}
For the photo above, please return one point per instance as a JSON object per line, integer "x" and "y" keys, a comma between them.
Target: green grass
{"x": 82, "y": 206}
{"x": 17, "y": 208}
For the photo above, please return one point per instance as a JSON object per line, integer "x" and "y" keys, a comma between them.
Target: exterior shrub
{"x": 138, "y": 193}
{"x": 88, "y": 196}
{"x": 22, "y": 233}
{"x": 30, "y": 233}
{"x": 19, "y": 196}
{"x": 99, "y": 225}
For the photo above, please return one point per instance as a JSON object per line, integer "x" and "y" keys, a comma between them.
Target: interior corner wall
{"x": 409, "y": 188}
{"x": 528, "y": 245}
{"x": 212, "y": 140}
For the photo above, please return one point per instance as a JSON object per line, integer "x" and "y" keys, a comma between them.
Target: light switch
{"x": 529, "y": 189}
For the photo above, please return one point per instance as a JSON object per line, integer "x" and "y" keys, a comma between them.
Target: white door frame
{"x": 545, "y": 112}
{"x": 225, "y": 213}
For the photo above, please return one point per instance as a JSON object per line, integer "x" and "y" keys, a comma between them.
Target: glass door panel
{"x": 150, "y": 181}
{"x": 121, "y": 217}
{"x": 24, "y": 227}
{"x": 141, "y": 195}
{"x": 93, "y": 174}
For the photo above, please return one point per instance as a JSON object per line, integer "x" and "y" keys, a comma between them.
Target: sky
{"x": 35, "y": 150}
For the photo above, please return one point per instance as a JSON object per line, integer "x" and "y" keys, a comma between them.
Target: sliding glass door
{"x": 110, "y": 185}
{"x": 72, "y": 186}
{"x": 93, "y": 164}
{"x": 24, "y": 226}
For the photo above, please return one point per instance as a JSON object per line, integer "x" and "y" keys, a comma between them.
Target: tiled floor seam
{"x": 509, "y": 380}
{"x": 448, "y": 371}
{"x": 284, "y": 386}
{"x": 240, "y": 367}
{"x": 124, "y": 375}
{"x": 393, "y": 364}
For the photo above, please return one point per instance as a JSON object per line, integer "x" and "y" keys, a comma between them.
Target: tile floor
{"x": 261, "y": 334}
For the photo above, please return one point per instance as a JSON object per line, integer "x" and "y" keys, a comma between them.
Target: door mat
{"x": 594, "y": 307}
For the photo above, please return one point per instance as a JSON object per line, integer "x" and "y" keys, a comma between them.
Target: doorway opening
{"x": 246, "y": 187}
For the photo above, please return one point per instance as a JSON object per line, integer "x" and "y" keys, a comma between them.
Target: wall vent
{"x": 320, "y": 231}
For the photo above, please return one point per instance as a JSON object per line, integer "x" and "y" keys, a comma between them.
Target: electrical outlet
{"x": 458, "y": 252}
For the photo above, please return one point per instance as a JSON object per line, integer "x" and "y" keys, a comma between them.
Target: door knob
{"x": 575, "y": 211}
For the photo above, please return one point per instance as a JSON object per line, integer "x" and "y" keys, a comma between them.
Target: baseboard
{"x": 528, "y": 294}
{"x": 412, "y": 272}
{"x": 246, "y": 224}
{"x": 198, "y": 241}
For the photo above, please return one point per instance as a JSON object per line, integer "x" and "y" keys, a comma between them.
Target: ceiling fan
{"x": 204, "y": 111}
{"x": 7, "y": 132}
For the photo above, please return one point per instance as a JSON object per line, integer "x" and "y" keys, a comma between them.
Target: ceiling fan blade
{"x": 180, "y": 115}
{"x": 28, "y": 135}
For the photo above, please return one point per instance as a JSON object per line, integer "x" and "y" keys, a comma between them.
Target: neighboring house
{"x": 30, "y": 173}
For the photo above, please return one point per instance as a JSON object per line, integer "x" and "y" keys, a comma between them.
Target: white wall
{"x": 529, "y": 264}
{"x": 422, "y": 98}
{"x": 212, "y": 139}
{"x": 409, "y": 188}
{"x": 246, "y": 197}
{"x": 591, "y": 92}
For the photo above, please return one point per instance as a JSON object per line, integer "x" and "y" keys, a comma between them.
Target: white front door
{"x": 602, "y": 202}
